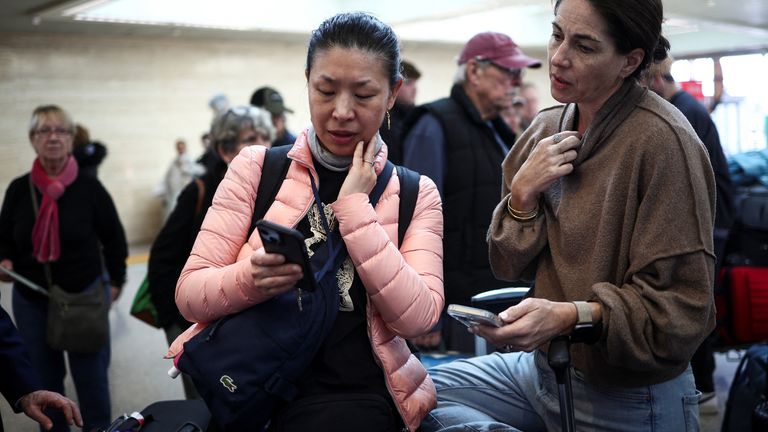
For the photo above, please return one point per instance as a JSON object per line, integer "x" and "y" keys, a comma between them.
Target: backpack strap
{"x": 273, "y": 172}
{"x": 409, "y": 192}
{"x": 275, "y": 167}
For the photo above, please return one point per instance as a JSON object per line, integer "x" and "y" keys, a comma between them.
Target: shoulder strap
{"x": 381, "y": 183}
{"x": 409, "y": 192}
{"x": 276, "y": 165}
{"x": 200, "y": 195}
{"x": 273, "y": 172}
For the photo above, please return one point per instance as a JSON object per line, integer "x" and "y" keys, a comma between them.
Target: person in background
{"x": 177, "y": 176}
{"x": 363, "y": 377}
{"x": 89, "y": 154}
{"x": 608, "y": 203}
{"x": 513, "y": 116}
{"x": 530, "y": 94}
{"x": 78, "y": 239}
{"x": 459, "y": 142}
{"x": 392, "y": 128}
{"x": 269, "y": 99}
{"x": 208, "y": 158}
{"x": 231, "y": 132}
{"x": 659, "y": 79}
{"x": 20, "y": 384}
{"x": 219, "y": 104}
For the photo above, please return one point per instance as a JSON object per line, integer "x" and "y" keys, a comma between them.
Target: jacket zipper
{"x": 368, "y": 326}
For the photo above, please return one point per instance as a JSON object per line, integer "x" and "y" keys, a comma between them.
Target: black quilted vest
{"x": 472, "y": 189}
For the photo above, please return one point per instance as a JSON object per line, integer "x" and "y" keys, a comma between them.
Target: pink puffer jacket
{"x": 405, "y": 286}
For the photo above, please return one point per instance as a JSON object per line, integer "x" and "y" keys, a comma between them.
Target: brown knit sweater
{"x": 630, "y": 228}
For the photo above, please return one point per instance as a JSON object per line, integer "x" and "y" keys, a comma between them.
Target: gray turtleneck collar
{"x": 329, "y": 160}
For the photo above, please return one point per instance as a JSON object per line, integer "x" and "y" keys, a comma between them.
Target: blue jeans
{"x": 518, "y": 391}
{"x": 89, "y": 371}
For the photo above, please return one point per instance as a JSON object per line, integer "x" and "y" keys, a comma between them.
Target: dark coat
{"x": 87, "y": 218}
{"x": 17, "y": 375}
{"x": 173, "y": 245}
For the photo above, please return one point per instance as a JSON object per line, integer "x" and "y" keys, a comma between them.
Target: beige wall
{"x": 137, "y": 95}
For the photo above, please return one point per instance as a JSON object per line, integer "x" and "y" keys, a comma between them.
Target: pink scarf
{"x": 46, "y": 246}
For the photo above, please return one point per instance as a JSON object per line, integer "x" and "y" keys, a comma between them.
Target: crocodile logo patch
{"x": 228, "y": 382}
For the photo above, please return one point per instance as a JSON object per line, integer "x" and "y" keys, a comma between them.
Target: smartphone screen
{"x": 279, "y": 239}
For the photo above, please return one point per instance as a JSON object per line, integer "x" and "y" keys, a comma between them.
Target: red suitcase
{"x": 742, "y": 305}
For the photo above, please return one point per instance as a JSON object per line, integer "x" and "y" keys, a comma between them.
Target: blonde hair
{"x": 47, "y": 111}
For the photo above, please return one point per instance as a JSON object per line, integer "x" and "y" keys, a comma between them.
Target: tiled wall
{"x": 137, "y": 95}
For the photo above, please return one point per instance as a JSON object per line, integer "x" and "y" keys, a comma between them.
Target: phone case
{"x": 288, "y": 242}
{"x": 470, "y": 316}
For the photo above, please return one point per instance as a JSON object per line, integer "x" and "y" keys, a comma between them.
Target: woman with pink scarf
{"x": 53, "y": 224}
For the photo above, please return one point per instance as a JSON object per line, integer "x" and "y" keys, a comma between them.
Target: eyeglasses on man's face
{"x": 46, "y": 131}
{"x": 512, "y": 74}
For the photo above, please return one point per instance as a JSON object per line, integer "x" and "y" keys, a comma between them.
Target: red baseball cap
{"x": 499, "y": 49}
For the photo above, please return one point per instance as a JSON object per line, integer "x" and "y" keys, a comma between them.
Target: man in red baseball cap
{"x": 460, "y": 142}
{"x": 499, "y": 49}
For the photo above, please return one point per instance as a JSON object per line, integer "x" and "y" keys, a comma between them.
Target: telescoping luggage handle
{"x": 559, "y": 359}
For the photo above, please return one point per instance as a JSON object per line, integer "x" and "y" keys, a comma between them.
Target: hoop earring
{"x": 389, "y": 125}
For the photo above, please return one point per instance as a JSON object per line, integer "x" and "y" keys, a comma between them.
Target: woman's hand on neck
{"x": 361, "y": 177}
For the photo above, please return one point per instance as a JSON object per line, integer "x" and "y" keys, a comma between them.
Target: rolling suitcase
{"x": 741, "y": 296}
{"x": 742, "y": 306}
{"x": 747, "y": 243}
{"x": 165, "y": 416}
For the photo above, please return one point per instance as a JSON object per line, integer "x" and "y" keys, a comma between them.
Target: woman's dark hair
{"x": 633, "y": 24}
{"x": 362, "y": 31}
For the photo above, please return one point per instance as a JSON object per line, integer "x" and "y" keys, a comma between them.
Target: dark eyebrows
{"x": 360, "y": 83}
{"x": 581, "y": 36}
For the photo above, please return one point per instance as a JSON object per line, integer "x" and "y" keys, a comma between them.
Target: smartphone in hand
{"x": 279, "y": 239}
{"x": 470, "y": 316}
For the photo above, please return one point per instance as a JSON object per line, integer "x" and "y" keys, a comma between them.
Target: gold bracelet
{"x": 519, "y": 215}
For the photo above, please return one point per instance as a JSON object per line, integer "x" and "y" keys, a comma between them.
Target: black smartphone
{"x": 470, "y": 316}
{"x": 279, "y": 239}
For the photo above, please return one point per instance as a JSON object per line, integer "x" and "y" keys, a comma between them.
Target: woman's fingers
{"x": 361, "y": 177}
{"x": 564, "y": 148}
{"x": 528, "y": 326}
{"x": 271, "y": 274}
{"x": 357, "y": 158}
{"x": 561, "y": 137}
{"x": 549, "y": 160}
{"x": 561, "y": 146}
{"x": 370, "y": 152}
{"x": 267, "y": 265}
{"x": 272, "y": 286}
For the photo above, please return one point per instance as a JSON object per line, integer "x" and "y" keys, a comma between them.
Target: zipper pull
{"x": 298, "y": 299}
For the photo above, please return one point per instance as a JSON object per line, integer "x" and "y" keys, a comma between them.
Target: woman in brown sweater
{"x": 608, "y": 203}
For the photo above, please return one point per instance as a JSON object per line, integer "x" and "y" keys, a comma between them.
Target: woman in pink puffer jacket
{"x": 388, "y": 292}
